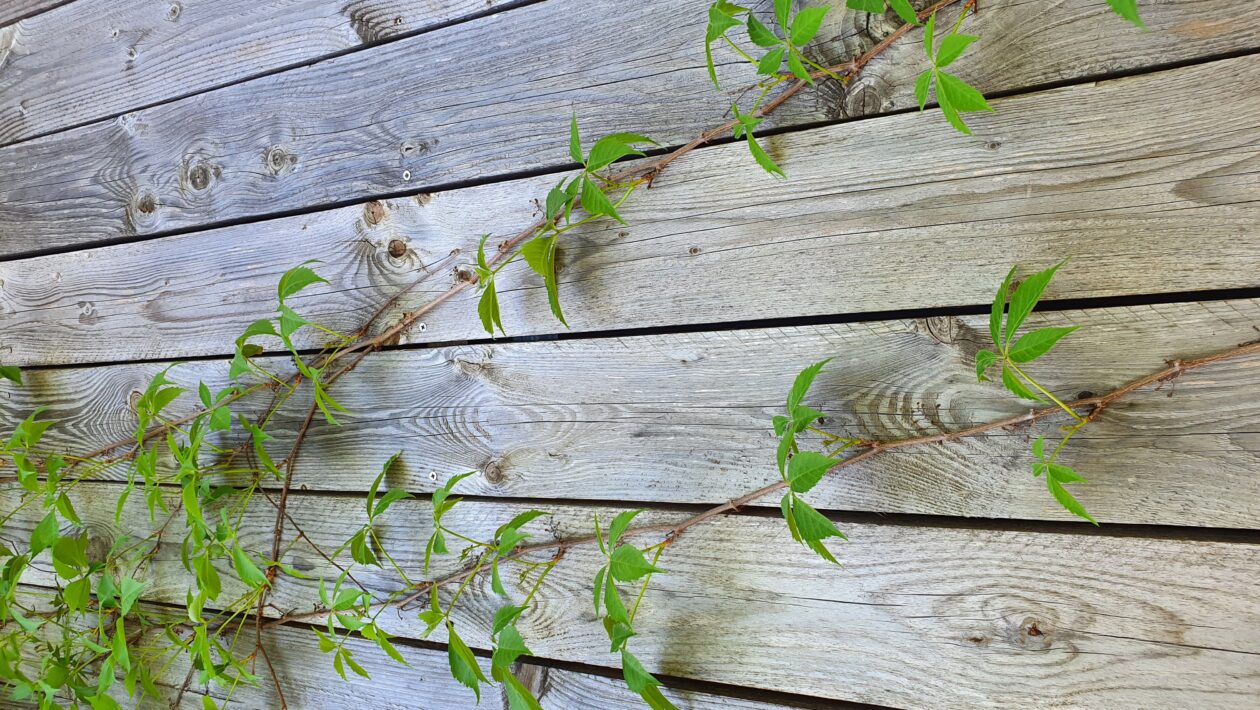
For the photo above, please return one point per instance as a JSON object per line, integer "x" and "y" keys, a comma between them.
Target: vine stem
{"x": 1094, "y": 406}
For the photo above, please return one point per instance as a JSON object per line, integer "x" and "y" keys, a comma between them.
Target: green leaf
{"x": 505, "y": 616}
{"x": 984, "y": 360}
{"x": 10, "y": 372}
{"x": 510, "y": 646}
{"x": 797, "y": 67}
{"x": 813, "y": 525}
{"x": 619, "y": 525}
{"x": 119, "y": 652}
{"x": 807, "y": 468}
{"x": 290, "y": 321}
{"x": 599, "y": 586}
{"x": 786, "y": 446}
{"x": 952, "y": 47}
{"x": 1016, "y": 385}
{"x": 770, "y": 62}
{"x": 761, "y": 35}
{"x": 905, "y": 11}
{"x": 719, "y": 24}
{"x": 615, "y": 608}
{"x": 928, "y": 31}
{"x": 75, "y": 594}
{"x": 575, "y": 141}
{"x": 871, "y": 6}
{"x": 488, "y": 308}
{"x": 463, "y": 663}
{"x": 44, "y": 534}
{"x": 556, "y": 200}
{"x": 70, "y": 555}
{"x": 628, "y": 564}
{"x": 1039, "y": 447}
{"x": 1061, "y": 494}
{"x": 1026, "y": 297}
{"x": 610, "y": 149}
{"x": 540, "y": 254}
{"x": 782, "y": 9}
{"x": 376, "y": 484}
{"x": 391, "y": 496}
{"x": 129, "y": 594}
{"x": 803, "y": 382}
{"x": 763, "y": 159}
{"x": 518, "y": 696}
{"x": 962, "y": 96}
{"x": 785, "y": 505}
{"x": 246, "y": 569}
{"x": 296, "y": 279}
{"x": 640, "y": 681}
{"x": 518, "y": 521}
{"x": 1128, "y": 10}
{"x": 1033, "y": 345}
{"x": 595, "y": 202}
{"x": 999, "y": 306}
{"x": 922, "y": 83}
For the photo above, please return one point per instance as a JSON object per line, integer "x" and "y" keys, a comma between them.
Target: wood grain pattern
{"x": 866, "y": 223}
{"x": 925, "y": 617}
{"x": 13, "y": 10}
{"x": 93, "y": 59}
{"x": 308, "y": 680}
{"x": 686, "y": 418}
{"x": 472, "y": 105}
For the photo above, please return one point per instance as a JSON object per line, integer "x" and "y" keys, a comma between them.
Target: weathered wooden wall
{"x": 161, "y": 163}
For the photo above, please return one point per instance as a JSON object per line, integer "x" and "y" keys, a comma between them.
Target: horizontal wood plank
{"x": 474, "y": 105}
{"x": 686, "y": 418}
{"x": 92, "y": 59}
{"x": 925, "y": 617}
{"x": 14, "y": 10}
{"x": 891, "y": 213}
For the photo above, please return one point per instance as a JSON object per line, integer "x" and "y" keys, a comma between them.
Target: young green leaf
{"x": 999, "y": 307}
{"x": 984, "y": 360}
{"x": 1128, "y": 10}
{"x": 1026, "y": 297}
{"x": 922, "y": 83}
{"x": 620, "y": 524}
{"x": 782, "y": 10}
{"x": 803, "y": 382}
{"x": 807, "y": 468}
{"x": 44, "y": 534}
{"x": 628, "y": 564}
{"x": 1056, "y": 476}
{"x": 463, "y": 663}
{"x": 510, "y": 646}
{"x": 246, "y": 569}
{"x": 871, "y": 6}
{"x": 1031, "y": 346}
{"x": 761, "y": 35}
{"x": 596, "y": 202}
{"x": 12, "y": 373}
{"x": 643, "y": 683}
{"x": 905, "y": 11}
{"x": 719, "y": 23}
{"x": 929, "y": 29}
{"x": 296, "y": 279}
{"x": 952, "y": 47}
{"x": 540, "y": 254}
{"x": 763, "y": 159}
{"x": 575, "y": 141}
{"x": 1016, "y": 385}
{"x": 488, "y": 309}
{"x": 770, "y": 62}
{"x": 807, "y": 23}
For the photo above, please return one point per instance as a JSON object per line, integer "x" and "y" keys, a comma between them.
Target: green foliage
{"x": 589, "y": 189}
{"x": 9, "y": 372}
{"x": 903, "y": 8}
{"x": 1127, "y": 9}
{"x": 953, "y": 95}
{"x": 1004, "y": 325}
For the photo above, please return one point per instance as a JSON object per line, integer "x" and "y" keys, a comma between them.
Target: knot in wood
{"x": 278, "y": 160}
{"x": 374, "y": 213}
{"x": 1033, "y": 634}
{"x": 397, "y": 248}
{"x": 172, "y": 12}
{"x": 199, "y": 176}
{"x": 495, "y": 472}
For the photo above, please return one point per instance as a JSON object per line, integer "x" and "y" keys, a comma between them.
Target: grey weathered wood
{"x": 308, "y": 680}
{"x": 473, "y": 104}
{"x": 97, "y": 58}
{"x": 923, "y": 617}
{"x": 896, "y": 212}
{"x": 17, "y": 9}
{"x": 686, "y": 418}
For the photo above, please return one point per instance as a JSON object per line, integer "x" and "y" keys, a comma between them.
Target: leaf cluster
{"x": 953, "y": 95}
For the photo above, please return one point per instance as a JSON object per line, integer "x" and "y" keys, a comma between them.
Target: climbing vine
{"x": 72, "y": 640}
